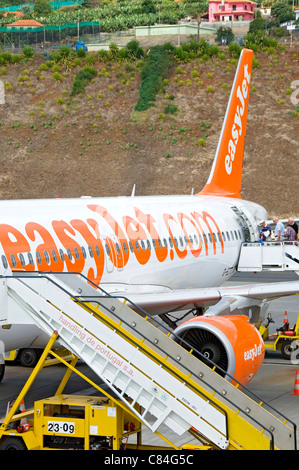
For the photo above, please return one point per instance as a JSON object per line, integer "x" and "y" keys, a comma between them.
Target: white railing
{"x": 269, "y": 256}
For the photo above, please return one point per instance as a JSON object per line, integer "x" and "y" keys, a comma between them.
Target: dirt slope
{"x": 94, "y": 145}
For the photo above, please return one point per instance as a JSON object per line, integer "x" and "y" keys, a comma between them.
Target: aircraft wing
{"x": 220, "y": 300}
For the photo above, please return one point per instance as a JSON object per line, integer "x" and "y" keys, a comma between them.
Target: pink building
{"x": 231, "y": 10}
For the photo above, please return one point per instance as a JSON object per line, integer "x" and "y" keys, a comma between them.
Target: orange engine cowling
{"x": 231, "y": 342}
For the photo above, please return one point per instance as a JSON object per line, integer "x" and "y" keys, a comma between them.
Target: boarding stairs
{"x": 143, "y": 364}
{"x": 269, "y": 256}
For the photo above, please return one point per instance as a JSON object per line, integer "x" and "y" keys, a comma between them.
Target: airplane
{"x": 164, "y": 253}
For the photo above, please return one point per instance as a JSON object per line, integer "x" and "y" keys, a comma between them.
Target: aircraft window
{"x": 117, "y": 248}
{"x": 228, "y": 237}
{"x": 47, "y": 257}
{"x": 154, "y": 244}
{"x": 13, "y": 260}
{"x": 30, "y": 259}
{"x": 160, "y": 243}
{"x": 240, "y": 236}
{"x": 186, "y": 239}
{"x": 69, "y": 253}
{"x": 176, "y": 242}
{"x": 54, "y": 256}
{"x": 232, "y": 235}
{"x": 107, "y": 249}
{"x": 210, "y": 237}
{"x": 83, "y": 251}
{"x": 165, "y": 242}
{"x": 38, "y": 257}
{"x": 76, "y": 253}
{"x": 97, "y": 250}
{"x": 61, "y": 254}
{"x": 137, "y": 246}
{"x": 4, "y": 262}
{"x": 236, "y": 236}
{"x": 131, "y": 247}
{"x": 215, "y": 238}
{"x": 223, "y": 236}
{"x": 142, "y": 245}
{"x": 219, "y": 236}
{"x": 191, "y": 239}
{"x": 149, "y": 244}
{"x": 125, "y": 247}
{"x": 181, "y": 241}
{"x": 195, "y": 239}
{"x": 22, "y": 259}
{"x": 170, "y": 242}
{"x": 90, "y": 251}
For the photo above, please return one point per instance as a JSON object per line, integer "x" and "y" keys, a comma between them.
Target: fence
{"x": 20, "y": 36}
{"x": 54, "y": 5}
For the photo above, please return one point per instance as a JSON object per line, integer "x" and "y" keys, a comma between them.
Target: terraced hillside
{"x": 55, "y": 144}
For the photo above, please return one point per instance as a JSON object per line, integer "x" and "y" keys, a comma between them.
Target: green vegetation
{"x": 42, "y": 8}
{"x": 157, "y": 66}
{"x": 224, "y": 34}
{"x": 162, "y": 75}
{"x": 82, "y": 78}
{"x": 171, "y": 109}
{"x": 118, "y": 15}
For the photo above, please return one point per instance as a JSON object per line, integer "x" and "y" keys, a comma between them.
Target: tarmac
{"x": 274, "y": 382}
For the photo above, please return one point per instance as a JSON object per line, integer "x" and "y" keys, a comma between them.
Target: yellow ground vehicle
{"x": 28, "y": 357}
{"x": 285, "y": 339}
{"x": 71, "y": 421}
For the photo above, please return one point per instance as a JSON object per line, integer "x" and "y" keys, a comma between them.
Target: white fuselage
{"x": 171, "y": 241}
{"x": 126, "y": 245}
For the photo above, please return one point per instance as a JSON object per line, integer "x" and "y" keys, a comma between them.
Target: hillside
{"x": 55, "y": 145}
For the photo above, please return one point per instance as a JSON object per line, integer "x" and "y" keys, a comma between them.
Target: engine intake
{"x": 231, "y": 342}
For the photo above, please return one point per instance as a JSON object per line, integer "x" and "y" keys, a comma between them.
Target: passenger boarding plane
{"x": 165, "y": 253}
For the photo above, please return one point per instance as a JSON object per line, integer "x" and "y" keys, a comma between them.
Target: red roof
{"x": 14, "y": 13}
{"x": 24, "y": 23}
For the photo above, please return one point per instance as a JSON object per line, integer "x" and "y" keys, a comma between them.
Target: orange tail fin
{"x": 226, "y": 174}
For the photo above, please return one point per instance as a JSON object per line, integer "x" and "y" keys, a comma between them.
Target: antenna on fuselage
{"x": 133, "y": 191}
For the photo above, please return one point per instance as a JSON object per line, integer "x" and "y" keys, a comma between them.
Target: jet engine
{"x": 231, "y": 342}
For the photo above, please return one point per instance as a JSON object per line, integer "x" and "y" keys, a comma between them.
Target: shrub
{"x": 15, "y": 59}
{"x": 234, "y": 49}
{"x": 171, "y": 108}
{"x": 255, "y": 63}
{"x": 82, "y": 79}
{"x": 57, "y": 76}
{"x": 6, "y": 56}
{"x": 28, "y": 52}
{"x": 90, "y": 59}
{"x": 81, "y": 53}
{"x": 156, "y": 69}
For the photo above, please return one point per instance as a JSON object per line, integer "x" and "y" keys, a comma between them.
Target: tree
{"x": 283, "y": 12}
{"x": 42, "y": 8}
{"x": 259, "y": 24}
{"x": 148, "y": 6}
{"x": 225, "y": 35}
